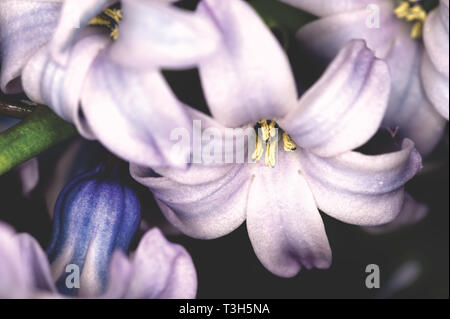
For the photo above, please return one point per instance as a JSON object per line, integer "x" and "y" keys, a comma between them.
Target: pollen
{"x": 109, "y": 18}
{"x": 412, "y": 11}
{"x": 267, "y": 142}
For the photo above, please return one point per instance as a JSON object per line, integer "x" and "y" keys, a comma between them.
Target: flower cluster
{"x": 265, "y": 149}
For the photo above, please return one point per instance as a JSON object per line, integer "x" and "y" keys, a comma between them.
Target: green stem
{"x": 38, "y": 132}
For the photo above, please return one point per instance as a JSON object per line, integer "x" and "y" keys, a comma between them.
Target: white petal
{"x": 283, "y": 222}
{"x": 153, "y": 34}
{"x": 25, "y": 26}
{"x": 361, "y": 189}
{"x": 344, "y": 109}
{"x": 249, "y": 77}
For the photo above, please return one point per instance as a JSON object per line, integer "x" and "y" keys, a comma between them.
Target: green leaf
{"x": 33, "y": 135}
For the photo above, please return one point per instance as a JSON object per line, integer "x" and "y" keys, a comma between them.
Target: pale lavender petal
{"x": 435, "y": 37}
{"x": 153, "y": 34}
{"x": 255, "y": 77}
{"x": 74, "y": 17}
{"x": 410, "y": 112}
{"x": 162, "y": 270}
{"x": 283, "y": 223}
{"x": 344, "y": 109}
{"x": 133, "y": 113}
{"x": 412, "y": 212}
{"x": 436, "y": 86}
{"x": 119, "y": 276}
{"x": 34, "y": 258}
{"x": 25, "y": 26}
{"x": 206, "y": 210}
{"x": 328, "y": 7}
{"x": 361, "y": 189}
{"x": 232, "y": 142}
{"x": 326, "y": 36}
{"x": 24, "y": 268}
{"x": 15, "y": 278}
{"x": 60, "y": 87}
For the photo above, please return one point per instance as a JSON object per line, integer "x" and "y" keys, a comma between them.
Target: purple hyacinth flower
{"x": 317, "y": 168}
{"x": 417, "y": 53}
{"x": 112, "y": 90}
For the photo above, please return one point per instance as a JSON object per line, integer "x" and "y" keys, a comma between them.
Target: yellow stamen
{"x": 259, "y": 150}
{"x": 114, "y": 14}
{"x": 114, "y": 33}
{"x": 288, "y": 143}
{"x": 271, "y": 151}
{"x": 412, "y": 12}
{"x": 100, "y": 21}
{"x": 109, "y": 18}
{"x": 264, "y": 130}
{"x": 268, "y": 138}
{"x": 402, "y": 10}
{"x": 416, "y": 31}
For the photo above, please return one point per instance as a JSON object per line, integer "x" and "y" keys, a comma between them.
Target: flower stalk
{"x": 38, "y": 132}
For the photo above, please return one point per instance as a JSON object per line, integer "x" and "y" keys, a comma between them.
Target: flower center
{"x": 412, "y": 11}
{"x": 267, "y": 138}
{"x": 110, "y": 19}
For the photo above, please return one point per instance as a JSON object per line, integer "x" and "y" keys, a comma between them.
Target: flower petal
{"x": 34, "y": 258}
{"x": 435, "y": 37}
{"x": 322, "y": 8}
{"x": 61, "y": 87}
{"x": 162, "y": 270}
{"x": 24, "y": 269}
{"x": 410, "y": 112}
{"x": 361, "y": 189}
{"x": 75, "y": 15}
{"x": 345, "y": 107}
{"x": 283, "y": 222}
{"x": 324, "y": 38}
{"x": 134, "y": 113}
{"x": 226, "y": 142}
{"x": 255, "y": 77}
{"x": 436, "y": 86}
{"x": 412, "y": 212}
{"x": 24, "y": 27}
{"x": 155, "y": 34}
{"x": 206, "y": 210}
{"x": 119, "y": 276}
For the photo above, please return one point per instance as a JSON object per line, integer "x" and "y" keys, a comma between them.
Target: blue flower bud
{"x": 95, "y": 215}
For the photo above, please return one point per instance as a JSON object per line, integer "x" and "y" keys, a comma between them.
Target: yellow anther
{"x": 259, "y": 150}
{"x": 100, "y": 21}
{"x": 272, "y": 129}
{"x": 115, "y": 14}
{"x": 416, "y": 31}
{"x": 265, "y": 131}
{"x": 402, "y": 10}
{"x": 271, "y": 151}
{"x": 288, "y": 143}
{"x": 416, "y": 13}
{"x": 109, "y": 18}
{"x": 412, "y": 12}
{"x": 114, "y": 33}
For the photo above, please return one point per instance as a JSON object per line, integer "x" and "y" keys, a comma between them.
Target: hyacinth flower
{"x": 75, "y": 58}
{"x": 279, "y": 196}
{"x": 411, "y": 40}
{"x": 96, "y": 217}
